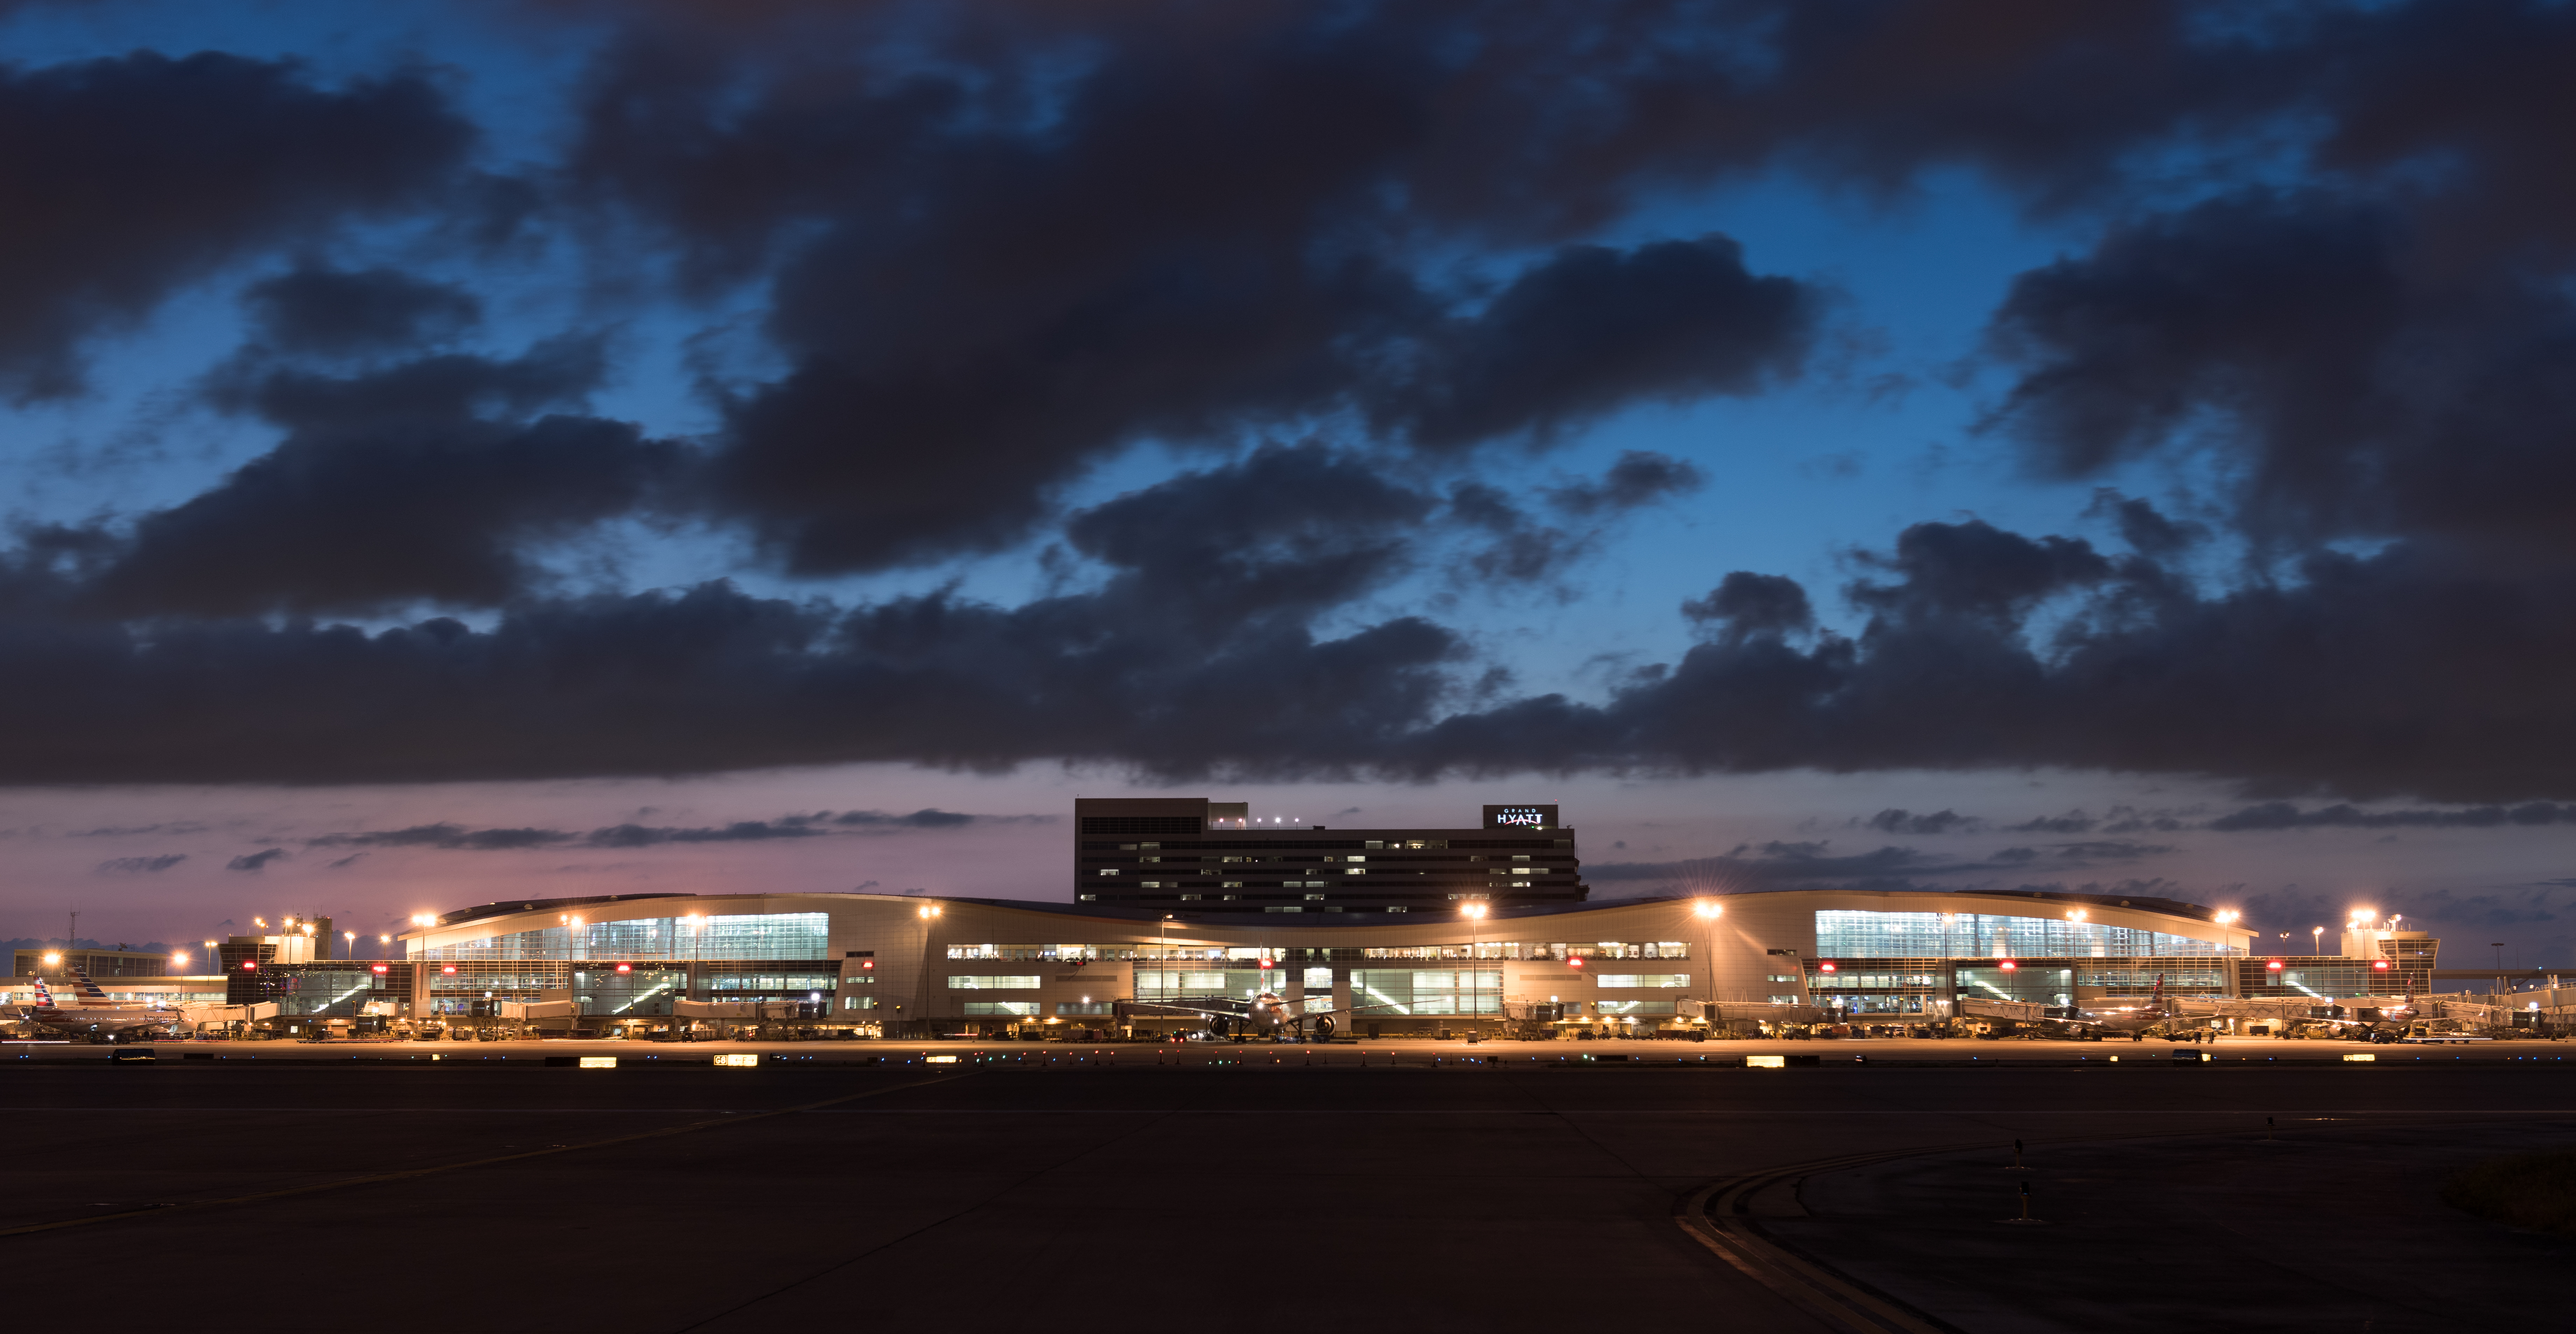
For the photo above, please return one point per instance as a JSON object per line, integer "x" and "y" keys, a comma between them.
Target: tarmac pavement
{"x": 1123, "y": 1187}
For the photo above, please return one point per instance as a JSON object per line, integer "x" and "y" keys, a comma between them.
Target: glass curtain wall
{"x": 1864, "y": 935}
{"x": 1407, "y": 991}
{"x": 799, "y": 935}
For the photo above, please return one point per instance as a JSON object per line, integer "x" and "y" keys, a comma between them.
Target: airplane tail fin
{"x": 44, "y": 995}
{"x": 2158, "y": 1000}
{"x": 89, "y": 991}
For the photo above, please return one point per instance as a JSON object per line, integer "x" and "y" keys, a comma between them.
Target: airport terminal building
{"x": 915, "y": 966}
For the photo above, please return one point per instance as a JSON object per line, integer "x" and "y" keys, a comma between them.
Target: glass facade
{"x": 1404, "y": 991}
{"x": 796, "y": 935}
{"x": 1641, "y": 979}
{"x": 2330, "y": 976}
{"x": 641, "y": 991}
{"x": 1164, "y": 984}
{"x": 1865, "y": 935}
{"x": 320, "y": 989}
{"x": 2039, "y": 986}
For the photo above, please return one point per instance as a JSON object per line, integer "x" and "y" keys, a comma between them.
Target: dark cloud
{"x": 1288, "y": 530}
{"x": 2328, "y": 681}
{"x": 2148, "y": 532}
{"x": 255, "y": 861}
{"x": 741, "y": 831}
{"x": 1594, "y": 329}
{"x": 1954, "y": 571}
{"x": 392, "y": 486}
{"x": 171, "y": 827}
{"x": 335, "y": 313}
{"x": 1745, "y": 604}
{"x": 1194, "y": 228}
{"x": 2321, "y": 684}
{"x": 443, "y": 836}
{"x": 1640, "y": 477}
{"x": 136, "y": 175}
{"x": 928, "y": 817}
{"x": 141, "y": 865}
{"x": 455, "y": 837}
{"x": 2272, "y": 815}
{"x": 1514, "y": 549}
{"x": 2116, "y": 820}
{"x": 2110, "y": 851}
{"x": 1894, "y": 821}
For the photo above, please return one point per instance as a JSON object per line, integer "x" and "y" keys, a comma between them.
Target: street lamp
{"x": 1709, "y": 911}
{"x": 2316, "y": 940}
{"x": 1475, "y": 915}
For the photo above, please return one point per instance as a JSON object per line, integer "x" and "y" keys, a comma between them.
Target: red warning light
{"x": 1265, "y": 963}
{"x": 1825, "y": 967}
{"x": 2274, "y": 965}
{"x": 626, "y": 968}
{"x": 380, "y": 968}
{"x": 867, "y": 965}
{"x": 250, "y": 965}
{"x": 1574, "y": 961}
{"x": 2009, "y": 965}
{"x": 448, "y": 969}
{"x": 2381, "y": 964}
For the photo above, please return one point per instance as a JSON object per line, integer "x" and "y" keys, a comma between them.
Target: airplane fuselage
{"x": 101, "y": 1021}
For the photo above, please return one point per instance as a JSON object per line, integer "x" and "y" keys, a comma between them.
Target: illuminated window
{"x": 1398, "y": 992}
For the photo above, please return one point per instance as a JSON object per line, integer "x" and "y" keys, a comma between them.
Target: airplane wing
{"x": 1210, "y": 1008}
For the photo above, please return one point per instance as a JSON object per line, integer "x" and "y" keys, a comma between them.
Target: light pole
{"x": 1475, "y": 915}
{"x": 2316, "y": 940}
{"x": 1709, "y": 911}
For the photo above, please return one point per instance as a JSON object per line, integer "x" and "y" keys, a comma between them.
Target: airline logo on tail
{"x": 44, "y": 997}
{"x": 89, "y": 991}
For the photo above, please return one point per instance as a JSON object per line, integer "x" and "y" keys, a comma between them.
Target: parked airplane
{"x": 2137, "y": 1021}
{"x": 98, "y": 1022}
{"x": 1264, "y": 1014}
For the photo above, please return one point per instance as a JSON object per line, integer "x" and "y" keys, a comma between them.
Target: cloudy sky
{"x": 460, "y": 450}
